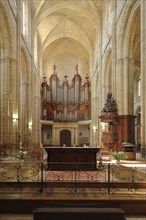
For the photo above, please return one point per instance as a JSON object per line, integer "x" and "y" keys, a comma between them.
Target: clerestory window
{"x": 35, "y": 51}
{"x": 25, "y": 18}
{"x": 139, "y": 86}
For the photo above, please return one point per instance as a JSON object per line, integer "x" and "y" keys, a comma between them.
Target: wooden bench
{"x": 78, "y": 213}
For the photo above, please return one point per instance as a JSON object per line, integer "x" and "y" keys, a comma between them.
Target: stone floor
{"x": 122, "y": 194}
{"x": 30, "y": 217}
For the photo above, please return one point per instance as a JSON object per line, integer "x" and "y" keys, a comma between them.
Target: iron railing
{"x": 40, "y": 177}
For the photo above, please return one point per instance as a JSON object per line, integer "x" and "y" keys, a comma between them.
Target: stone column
{"x": 36, "y": 122}
{"x": 8, "y": 100}
{"x": 128, "y": 86}
{"x": 143, "y": 78}
{"x": 57, "y": 136}
{"x": 114, "y": 53}
{"x": 30, "y": 116}
{"x": 76, "y": 136}
{"x": 72, "y": 135}
{"x": 18, "y": 58}
{"x": 125, "y": 89}
{"x": 4, "y": 102}
{"x": 120, "y": 82}
{"x": 53, "y": 135}
{"x": 14, "y": 100}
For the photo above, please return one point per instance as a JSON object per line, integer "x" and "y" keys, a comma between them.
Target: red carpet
{"x": 94, "y": 176}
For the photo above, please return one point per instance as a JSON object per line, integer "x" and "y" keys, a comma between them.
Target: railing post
{"x": 42, "y": 181}
{"x": 108, "y": 178}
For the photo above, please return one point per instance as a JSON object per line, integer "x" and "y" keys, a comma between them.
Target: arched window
{"x": 25, "y": 18}
{"x": 138, "y": 87}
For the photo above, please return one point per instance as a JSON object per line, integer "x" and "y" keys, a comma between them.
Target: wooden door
{"x": 65, "y": 138}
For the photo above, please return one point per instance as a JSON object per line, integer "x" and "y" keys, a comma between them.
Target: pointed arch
{"x": 128, "y": 38}
{"x": 125, "y": 26}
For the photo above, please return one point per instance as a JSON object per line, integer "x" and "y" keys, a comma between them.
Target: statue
{"x": 54, "y": 68}
{"x": 77, "y": 66}
{"x": 110, "y": 105}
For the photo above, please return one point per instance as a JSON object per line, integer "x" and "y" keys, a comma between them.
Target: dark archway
{"x": 65, "y": 138}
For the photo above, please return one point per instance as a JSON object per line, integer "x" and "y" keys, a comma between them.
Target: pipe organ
{"x": 66, "y": 102}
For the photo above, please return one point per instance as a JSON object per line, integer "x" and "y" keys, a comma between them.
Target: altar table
{"x": 72, "y": 158}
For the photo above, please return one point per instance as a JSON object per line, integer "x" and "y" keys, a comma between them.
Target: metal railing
{"x": 42, "y": 177}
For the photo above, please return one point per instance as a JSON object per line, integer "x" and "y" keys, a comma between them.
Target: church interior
{"x": 72, "y": 109}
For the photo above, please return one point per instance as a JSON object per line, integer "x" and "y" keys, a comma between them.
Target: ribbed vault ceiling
{"x": 68, "y": 27}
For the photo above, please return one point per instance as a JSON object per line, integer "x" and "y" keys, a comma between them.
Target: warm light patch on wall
{"x": 15, "y": 117}
{"x": 30, "y": 124}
